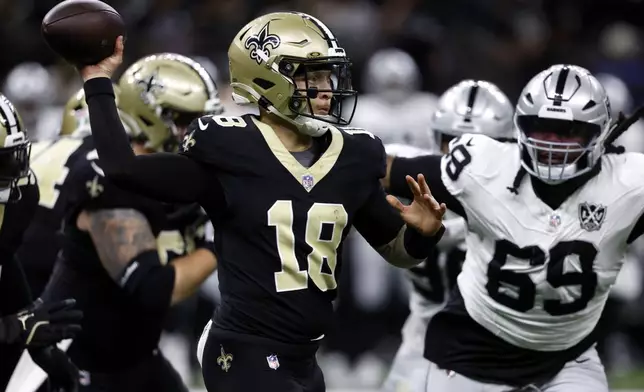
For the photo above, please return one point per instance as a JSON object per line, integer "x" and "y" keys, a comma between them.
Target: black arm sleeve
{"x": 8, "y": 335}
{"x": 161, "y": 176}
{"x": 379, "y": 223}
{"x": 14, "y": 289}
{"x": 637, "y": 231}
{"x": 430, "y": 167}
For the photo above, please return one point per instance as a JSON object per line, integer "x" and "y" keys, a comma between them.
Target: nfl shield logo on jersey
{"x": 591, "y": 216}
{"x": 307, "y": 182}
{"x": 273, "y": 362}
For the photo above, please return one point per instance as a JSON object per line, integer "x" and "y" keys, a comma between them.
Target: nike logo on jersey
{"x": 469, "y": 143}
{"x": 203, "y": 126}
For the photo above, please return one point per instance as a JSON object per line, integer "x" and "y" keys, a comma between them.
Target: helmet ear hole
{"x": 263, "y": 83}
{"x": 145, "y": 121}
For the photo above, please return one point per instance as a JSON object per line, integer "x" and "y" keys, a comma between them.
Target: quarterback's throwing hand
{"x": 107, "y": 66}
{"x": 424, "y": 214}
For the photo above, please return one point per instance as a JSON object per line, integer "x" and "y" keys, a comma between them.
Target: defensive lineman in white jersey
{"x": 468, "y": 107}
{"x": 550, "y": 218}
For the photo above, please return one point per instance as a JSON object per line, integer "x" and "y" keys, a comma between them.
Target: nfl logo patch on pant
{"x": 273, "y": 362}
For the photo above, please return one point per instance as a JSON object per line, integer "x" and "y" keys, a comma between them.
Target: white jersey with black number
{"x": 537, "y": 277}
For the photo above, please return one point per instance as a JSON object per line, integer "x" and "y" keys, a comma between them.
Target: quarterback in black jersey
{"x": 22, "y": 323}
{"x": 127, "y": 258}
{"x": 282, "y": 189}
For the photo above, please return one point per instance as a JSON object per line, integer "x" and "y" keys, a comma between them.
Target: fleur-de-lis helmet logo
{"x": 261, "y": 43}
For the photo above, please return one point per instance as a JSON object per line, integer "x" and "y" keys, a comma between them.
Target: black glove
{"x": 43, "y": 324}
{"x": 63, "y": 374}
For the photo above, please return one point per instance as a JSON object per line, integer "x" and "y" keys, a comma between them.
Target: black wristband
{"x": 419, "y": 246}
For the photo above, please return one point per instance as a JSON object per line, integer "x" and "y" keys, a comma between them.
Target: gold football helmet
{"x": 163, "y": 93}
{"x": 269, "y": 52}
{"x": 15, "y": 148}
{"x": 76, "y": 116}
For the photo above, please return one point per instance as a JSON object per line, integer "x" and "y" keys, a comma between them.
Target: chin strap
{"x": 517, "y": 180}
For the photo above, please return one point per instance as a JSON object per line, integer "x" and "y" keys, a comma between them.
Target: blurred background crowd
{"x": 441, "y": 43}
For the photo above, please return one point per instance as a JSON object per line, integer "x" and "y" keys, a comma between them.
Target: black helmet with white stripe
{"x": 472, "y": 106}
{"x": 14, "y": 150}
{"x": 562, "y": 117}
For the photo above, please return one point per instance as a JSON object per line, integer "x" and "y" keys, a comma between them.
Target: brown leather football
{"x": 83, "y": 32}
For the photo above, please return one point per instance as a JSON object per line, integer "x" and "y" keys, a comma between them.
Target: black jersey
{"x": 280, "y": 239}
{"x": 16, "y": 214}
{"x": 14, "y": 290}
{"x": 50, "y": 161}
{"x": 116, "y": 331}
{"x": 14, "y": 218}
{"x": 279, "y": 226}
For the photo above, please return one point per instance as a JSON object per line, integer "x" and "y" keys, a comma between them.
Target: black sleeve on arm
{"x": 430, "y": 167}
{"x": 161, "y": 176}
{"x": 637, "y": 231}
{"x": 379, "y": 224}
{"x": 14, "y": 288}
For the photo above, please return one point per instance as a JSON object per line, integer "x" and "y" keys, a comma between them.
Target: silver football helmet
{"x": 562, "y": 118}
{"x": 472, "y": 106}
{"x": 392, "y": 73}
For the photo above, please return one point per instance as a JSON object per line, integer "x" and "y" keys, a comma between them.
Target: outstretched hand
{"x": 107, "y": 66}
{"x": 424, "y": 214}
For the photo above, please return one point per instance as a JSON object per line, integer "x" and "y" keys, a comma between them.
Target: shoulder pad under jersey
{"x": 367, "y": 146}
{"x": 207, "y": 134}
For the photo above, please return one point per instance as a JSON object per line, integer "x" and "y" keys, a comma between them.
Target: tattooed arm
{"x": 127, "y": 249}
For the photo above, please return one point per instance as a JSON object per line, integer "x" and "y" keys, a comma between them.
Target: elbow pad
{"x": 148, "y": 282}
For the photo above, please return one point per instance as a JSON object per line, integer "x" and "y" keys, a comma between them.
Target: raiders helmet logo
{"x": 591, "y": 216}
{"x": 260, "y": 44}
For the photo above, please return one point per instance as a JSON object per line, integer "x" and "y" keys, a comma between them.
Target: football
{"x": 83, "y": 32}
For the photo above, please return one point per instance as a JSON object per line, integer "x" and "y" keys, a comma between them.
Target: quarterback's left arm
{"x": 401, "y": 244}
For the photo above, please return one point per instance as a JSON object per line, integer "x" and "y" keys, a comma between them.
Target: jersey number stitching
{"x": 501, "y": 280}
{"x": 230, "y": 121}
{"x": 291, "y": 278}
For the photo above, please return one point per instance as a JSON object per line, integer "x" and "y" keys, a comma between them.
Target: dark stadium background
{"x": 504, "y": 41}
